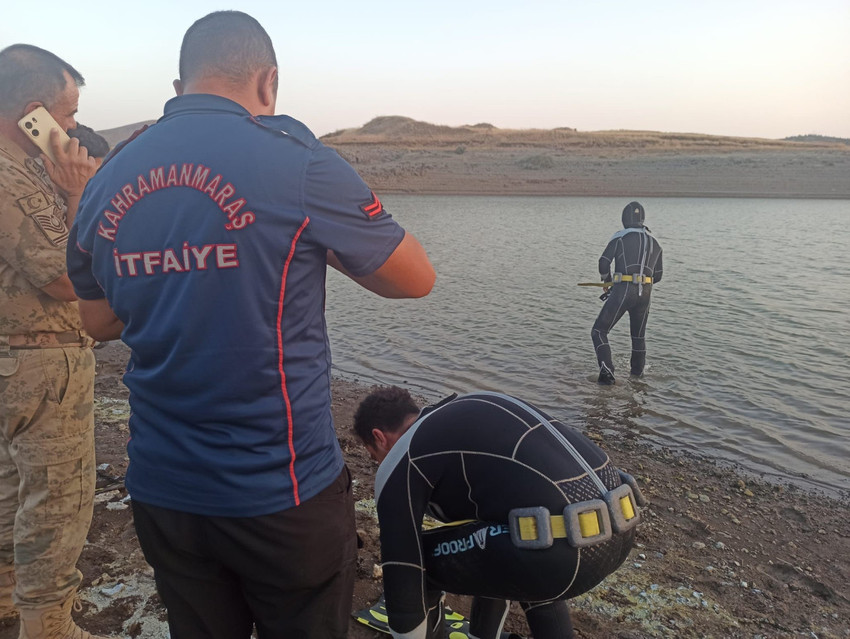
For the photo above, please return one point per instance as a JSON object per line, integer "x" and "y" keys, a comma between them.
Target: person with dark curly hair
{"x": 536, "y": 512}
{"x": 91, "y": 140}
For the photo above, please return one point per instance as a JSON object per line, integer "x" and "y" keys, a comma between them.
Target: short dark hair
{"x": 385, "y": 409}
{"x": 30, "y": 74}
{"x": 226, "y": 44}
{"x": 95, "y": 144}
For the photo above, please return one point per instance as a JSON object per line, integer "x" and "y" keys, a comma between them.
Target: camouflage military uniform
{"x": 47, "y": 467}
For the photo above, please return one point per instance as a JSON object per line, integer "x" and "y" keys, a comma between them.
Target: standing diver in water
{"x": 637, "y": 266}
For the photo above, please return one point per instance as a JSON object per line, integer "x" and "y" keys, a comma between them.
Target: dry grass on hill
{"x": 397, "y": 154}
{"x": 402, "y": 131}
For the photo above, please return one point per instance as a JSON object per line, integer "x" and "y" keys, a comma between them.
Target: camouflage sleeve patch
{"x": 32, "y": 203}
{"x": 44, "y": 214}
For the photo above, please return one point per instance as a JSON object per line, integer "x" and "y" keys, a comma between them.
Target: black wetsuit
{"x": 476, "y": 457}
{"x": 634, "y": 252}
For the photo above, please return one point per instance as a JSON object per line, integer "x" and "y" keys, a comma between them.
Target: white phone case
{"x": 37, "y": 125}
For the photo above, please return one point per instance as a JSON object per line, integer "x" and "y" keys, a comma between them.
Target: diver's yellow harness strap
{"x": 637, "y": 279}
{"x": 583, "y": 523}
{"x": 619, "y": 277}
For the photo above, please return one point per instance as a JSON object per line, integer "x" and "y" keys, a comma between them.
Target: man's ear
{"x": 267, "y": 88}
{"x": 380, "y": 438}
{"x": 32, "y": 106}
{"x": 178, "y": 87}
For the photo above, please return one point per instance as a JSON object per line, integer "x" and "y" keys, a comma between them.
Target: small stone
{"x": 112, "y": 591}
{"x": 642, "y": 557}
{"x": 704, "y": 499}
{"x": 693, "y": 496}
{"x": 821, "y": 531}
{"x": 377, "y": 571}
{"x": 104, "y": 497}
{"x": 749, "y": 493}
{"x": 743, "y": 584}
{"x": 720, "y": 545}
{"x": 698, "y": 545}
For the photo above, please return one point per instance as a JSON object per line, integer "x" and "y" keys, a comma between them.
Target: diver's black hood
{"x": 633, "y": 216}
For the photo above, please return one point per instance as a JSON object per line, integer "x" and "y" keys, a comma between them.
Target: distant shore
{"x": 399, "y": 155}
{"x": 823, "y": 174}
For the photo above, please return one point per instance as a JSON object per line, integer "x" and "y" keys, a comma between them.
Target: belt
{"x": 583, "y": 523}
{"x": 637, "y": 279}
{"x": 46, "y": 340}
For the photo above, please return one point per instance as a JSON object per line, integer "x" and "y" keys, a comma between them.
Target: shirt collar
{"x": 202, "y": 103}
{"x": 12, "y": 150}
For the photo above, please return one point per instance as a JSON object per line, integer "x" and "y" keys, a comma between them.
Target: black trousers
{"x": 290, "y": 573}
{"x": 624, "y": 297}
{"x": 480, "y": 559}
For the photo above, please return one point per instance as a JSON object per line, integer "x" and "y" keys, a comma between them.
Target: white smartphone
{"x": 37, "y": 125}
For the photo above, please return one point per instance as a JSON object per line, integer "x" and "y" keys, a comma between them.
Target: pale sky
{"x": 756, "y": 68}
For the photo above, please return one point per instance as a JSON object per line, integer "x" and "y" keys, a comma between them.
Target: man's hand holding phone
{"x": 73, "y": 167}
{"x": 68, "y": 164}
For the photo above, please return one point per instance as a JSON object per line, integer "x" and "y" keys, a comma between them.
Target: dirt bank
{"x": 400, "y": 155}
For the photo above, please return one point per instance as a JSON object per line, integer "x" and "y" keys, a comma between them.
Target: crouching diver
{"x": 538, "y": 512}
{"x": 636, "y": 256}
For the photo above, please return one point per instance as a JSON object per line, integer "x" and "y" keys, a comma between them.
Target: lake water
{"x": 748, "y": 337}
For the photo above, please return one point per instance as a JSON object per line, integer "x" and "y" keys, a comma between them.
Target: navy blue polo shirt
{"x": 208, "y": 235}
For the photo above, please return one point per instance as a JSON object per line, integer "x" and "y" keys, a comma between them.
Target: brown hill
{"x": 398, "y": 130}
{"x": 396, "y": 154}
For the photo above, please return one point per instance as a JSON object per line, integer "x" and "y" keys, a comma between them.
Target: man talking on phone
{"x": 47, "y": 461}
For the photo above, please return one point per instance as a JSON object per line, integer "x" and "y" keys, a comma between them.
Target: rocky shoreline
{"x": 719, "y": 554}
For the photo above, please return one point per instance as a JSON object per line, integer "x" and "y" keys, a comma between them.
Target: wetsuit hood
{"x": 633, "y": 215}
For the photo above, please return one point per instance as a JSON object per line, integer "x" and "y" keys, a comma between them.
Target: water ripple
{"x": 748, "y": 341}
